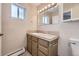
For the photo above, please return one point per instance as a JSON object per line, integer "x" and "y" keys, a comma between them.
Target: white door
{"x": 0, "y": 30}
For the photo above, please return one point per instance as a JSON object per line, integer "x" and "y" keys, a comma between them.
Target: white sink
{"x": 44, "y": 36}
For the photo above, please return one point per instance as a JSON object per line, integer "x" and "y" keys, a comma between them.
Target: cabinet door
{"x": 53, "y": 50}
{"x": 29, "y": 43}
{"x": 34, "y": 48}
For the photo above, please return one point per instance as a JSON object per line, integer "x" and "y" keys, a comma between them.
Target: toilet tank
{"x": 74, "y": 43}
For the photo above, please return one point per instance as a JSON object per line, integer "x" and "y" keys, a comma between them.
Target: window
{"x": 17, "y": 12}
{"x": 14, "y": 10}
{"x": 67, "y": 15}
{"x": 21, "y": 13}
{"x": 45, "y": 20}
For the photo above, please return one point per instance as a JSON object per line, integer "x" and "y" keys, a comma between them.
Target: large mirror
{"x": 48, "y": 16}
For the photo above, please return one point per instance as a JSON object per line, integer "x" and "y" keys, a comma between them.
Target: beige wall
{"x": 14, "y": 30}
{"x": 0, "y": 30}
{"x": 0, "y": 19}
{"x": 67, "y": 30}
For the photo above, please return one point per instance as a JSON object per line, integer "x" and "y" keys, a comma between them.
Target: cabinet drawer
{"x": 54, "y": 41}
{"x": 43, "y": 42}
{"x": 34, "y": 38}
{"x": 43, "y": 49}
{"x": 40, "y": 53}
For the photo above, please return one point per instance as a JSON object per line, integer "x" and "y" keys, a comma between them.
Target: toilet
{"x": 74, "y": 44}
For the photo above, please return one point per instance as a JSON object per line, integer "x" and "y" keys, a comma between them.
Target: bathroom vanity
{"x": 42, "y": 44}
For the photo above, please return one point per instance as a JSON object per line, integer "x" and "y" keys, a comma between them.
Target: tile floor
{"x": 26, "y": 54}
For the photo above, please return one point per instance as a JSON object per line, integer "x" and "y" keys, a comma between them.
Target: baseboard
{"x": 16, "y": 53}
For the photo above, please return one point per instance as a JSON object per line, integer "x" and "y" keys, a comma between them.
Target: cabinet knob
{"x": 1, "y": 34}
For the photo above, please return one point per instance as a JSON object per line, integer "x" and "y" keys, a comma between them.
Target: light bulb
{"x": 49, "y": 5}
{"x": 45, "y": 7}
{"x": 42, "y": 9}
{"x": 52, "y": 4}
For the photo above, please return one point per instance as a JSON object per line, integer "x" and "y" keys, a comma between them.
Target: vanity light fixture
{"x": 47, "y": 7}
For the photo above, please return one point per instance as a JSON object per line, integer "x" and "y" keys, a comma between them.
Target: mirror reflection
{"x": 48, "y": 16}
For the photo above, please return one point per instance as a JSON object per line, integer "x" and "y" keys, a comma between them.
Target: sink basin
{"x": 44, "y": 36}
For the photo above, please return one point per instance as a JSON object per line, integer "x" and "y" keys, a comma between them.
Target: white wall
{"x": 67, "y": 30}
{"x": 14, "y": 30}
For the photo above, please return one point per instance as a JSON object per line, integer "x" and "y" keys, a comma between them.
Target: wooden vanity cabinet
{"x": 40, "y": 47}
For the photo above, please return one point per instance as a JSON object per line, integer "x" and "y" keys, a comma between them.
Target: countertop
{"x": 47, "y": 37}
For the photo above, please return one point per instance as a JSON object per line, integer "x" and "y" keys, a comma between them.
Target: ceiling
{"x": 39, "y": 4}
{"x": 35, "y": 4}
